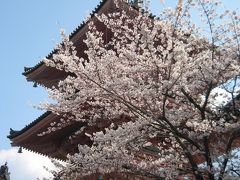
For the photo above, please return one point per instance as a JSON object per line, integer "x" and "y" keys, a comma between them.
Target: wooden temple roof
{"x": 49, "y": 76}
{"x": 58, "y": 144}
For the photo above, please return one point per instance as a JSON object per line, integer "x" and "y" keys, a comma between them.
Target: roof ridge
{"x": 14, "y": 133}
{"x": 74, "y": 32}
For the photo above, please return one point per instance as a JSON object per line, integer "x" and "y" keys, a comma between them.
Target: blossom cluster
{"x": 160, "y": 74}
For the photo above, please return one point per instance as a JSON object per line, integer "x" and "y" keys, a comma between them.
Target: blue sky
{"x": 29, "y": 30}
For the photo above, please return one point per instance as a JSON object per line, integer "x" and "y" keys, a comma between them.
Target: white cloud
{"x": 26, "y": 165}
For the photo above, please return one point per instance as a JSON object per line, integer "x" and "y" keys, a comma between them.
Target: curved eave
{"x": 54, "y": 144}
{"x": 14, "y": 133}
{"x": 78, "y": 29}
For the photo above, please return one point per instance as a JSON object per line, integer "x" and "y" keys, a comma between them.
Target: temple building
{"x": 57, "y": 144}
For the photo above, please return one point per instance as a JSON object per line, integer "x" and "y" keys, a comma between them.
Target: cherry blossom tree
{"x": 153, "y": 86}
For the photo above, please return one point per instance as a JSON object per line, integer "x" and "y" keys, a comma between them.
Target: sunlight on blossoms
{"x": 157, "y": 96}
